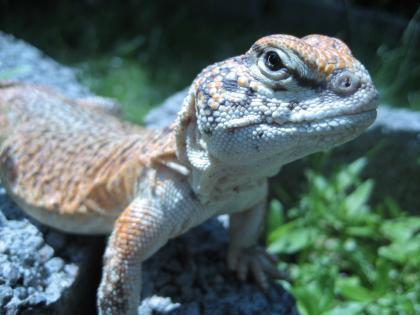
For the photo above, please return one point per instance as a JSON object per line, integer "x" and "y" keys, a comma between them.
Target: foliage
{"x": 128, "y": 81}
{"x": 396, "y": 69}
{"x": 345, "y": 256}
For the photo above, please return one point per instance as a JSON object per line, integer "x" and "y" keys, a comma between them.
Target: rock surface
{"x": 23, "y": 62}
{"x": 191, "y": 270}
{"x": 41, "y": 268}
{"x": 43, "y": 271}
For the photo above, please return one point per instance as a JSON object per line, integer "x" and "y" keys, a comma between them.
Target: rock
{"x": 6, "y": 294}
{"x": 165, "y": 113}
{"x": 23, "y": 62}
{"x": 154, "y": 304}
{"x": 37, "y": 275}
{"x": 48, "y": 272}
{"x": 54, "y": 265}
{"x": 204, "y": 285}
{"x": 41, "y": 270}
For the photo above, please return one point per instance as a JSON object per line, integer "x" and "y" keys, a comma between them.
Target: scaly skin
{"x": 74, "y": 167}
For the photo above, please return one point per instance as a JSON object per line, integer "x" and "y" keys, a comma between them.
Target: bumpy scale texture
{"x": 71, "y": 164}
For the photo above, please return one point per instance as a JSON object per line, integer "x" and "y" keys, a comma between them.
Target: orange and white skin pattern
{"x": 73, "y": 165}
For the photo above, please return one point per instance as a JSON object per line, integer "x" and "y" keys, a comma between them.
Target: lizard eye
{"x": 272, "y": 66}
{"x": 272, "y": 61}
{"x": 345, "y": 83}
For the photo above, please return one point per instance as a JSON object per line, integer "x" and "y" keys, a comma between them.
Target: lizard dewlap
{"x": 73, "y": 165}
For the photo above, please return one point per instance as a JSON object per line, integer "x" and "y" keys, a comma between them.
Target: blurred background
{"x": 346, "y": 254}
{"x": 142, "y": 51}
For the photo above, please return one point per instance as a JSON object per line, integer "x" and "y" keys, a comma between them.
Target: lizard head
{"x": 286, "y": 97}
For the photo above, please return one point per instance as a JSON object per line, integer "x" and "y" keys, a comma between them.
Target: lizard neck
{"x": 218, "y": 179}
{"x": 210, "y": 178}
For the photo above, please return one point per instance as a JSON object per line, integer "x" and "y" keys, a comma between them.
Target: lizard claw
{"x": 258, "y": 262}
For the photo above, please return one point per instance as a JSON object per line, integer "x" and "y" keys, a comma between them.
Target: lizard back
{"x": 63, "y": 162}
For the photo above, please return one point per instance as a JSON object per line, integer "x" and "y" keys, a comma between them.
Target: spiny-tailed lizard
{"x": 73, "y": 166}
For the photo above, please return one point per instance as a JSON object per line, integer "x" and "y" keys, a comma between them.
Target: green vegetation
{"x": 344, "y": 256}
{"x": 396, "y": 70}
{"x": 130, "y": 82}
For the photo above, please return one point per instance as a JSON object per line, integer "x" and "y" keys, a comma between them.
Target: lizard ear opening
{"x": 186, "y": 117}
{"x": 190, "y": 149}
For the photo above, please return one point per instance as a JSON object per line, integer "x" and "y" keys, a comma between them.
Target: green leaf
{"x": 362, "y": 231}
{"x": 382, "y": 282}
{"x": 313, "y": 299}
{"x": 392, "y": 207}
{"x": 275, "y": 215}
{"x": 402, "y": 252}
{"x": 290, "y": 239}
{"x": 347, "y": 308}
{"x": 349, "y": 175}
{"x": 351, "y": 289}
{"x": 356, "y": 202}
{"x": 401, "y": 229}
{"x": 318, "y": 182}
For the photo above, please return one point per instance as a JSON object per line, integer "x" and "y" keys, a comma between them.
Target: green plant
{"x": 130, "y": 82}
{"x": 396, "y": 70}
{"x": 346, "y": 257}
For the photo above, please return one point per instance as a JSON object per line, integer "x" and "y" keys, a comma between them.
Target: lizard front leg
{"x": 244, "y": 255}
{"x": 139, "y": 232}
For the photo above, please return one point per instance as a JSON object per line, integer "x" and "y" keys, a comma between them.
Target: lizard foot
{"x": 257, "y": 261}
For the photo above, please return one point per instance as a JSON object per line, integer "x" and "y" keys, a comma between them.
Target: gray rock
{"x": 204, "y": 285}
{"x": 6, "y": 294}
{"x": 54, "y": 265}
{"x": 22, "y": 62}
{"x": 154, "y": 304}
{"x": 40, "y": 269}
{"x": 24, "y": 271}
{"x": 9, "y": 273}
{"x": 32, "y": 276}
{"x": 165, "y": 113}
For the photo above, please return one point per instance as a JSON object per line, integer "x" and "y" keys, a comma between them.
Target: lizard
{"x": 73, "y": 165}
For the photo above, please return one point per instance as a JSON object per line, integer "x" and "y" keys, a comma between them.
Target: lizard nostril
{"x": 345, "y": 83}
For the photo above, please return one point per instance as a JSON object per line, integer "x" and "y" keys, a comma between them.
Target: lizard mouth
{"x": 361, "y": 115}
{"x": 333, "y": 125}
{"x": 352, "y": 120}
{"x": 340, "y": 123}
